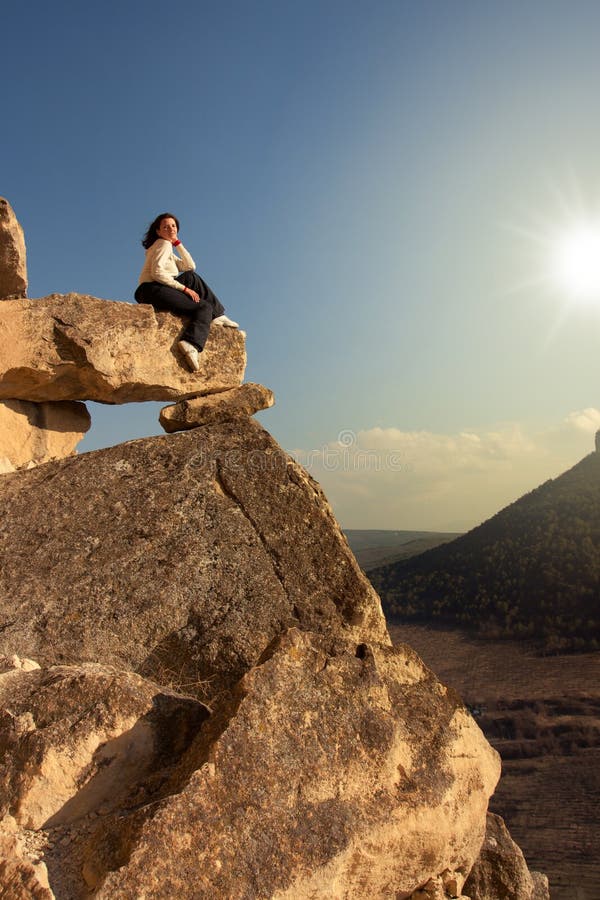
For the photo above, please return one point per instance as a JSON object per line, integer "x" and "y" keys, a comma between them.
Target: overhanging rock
{"x": 77, "y": 347}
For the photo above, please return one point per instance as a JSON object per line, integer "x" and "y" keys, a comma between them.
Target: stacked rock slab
{"x": 76, "y": 347}
{"x": 73, "y": 347}
{"x": 30, "y": 433}
{"x": 227, "y": 406}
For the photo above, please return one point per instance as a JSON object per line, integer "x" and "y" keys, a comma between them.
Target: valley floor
{"x": 543, "y": 716}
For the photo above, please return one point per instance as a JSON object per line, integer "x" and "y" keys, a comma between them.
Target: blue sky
{"x": 372, "y": 189}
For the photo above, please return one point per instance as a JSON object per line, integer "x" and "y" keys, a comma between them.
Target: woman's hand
{"x": 192, "y": 294}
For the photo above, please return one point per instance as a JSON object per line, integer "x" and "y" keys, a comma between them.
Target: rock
{"x": 541, "y": 886}
{"x": 15, "y": 662}
{"x": 501, "y": 870}
{"x": 34, "y": 433}
{"x": 20, "y": 879}
{"x": 76, "y": 347}
{"x": 100, "y": 731}
{"x": 227, "y": 406}
{"x": 181, "y": 556}
{"x": 13, "y": 265}
{"x": 336, "y": 771}
{"x": 104, "y": 739}
{"x": 6, "y": 465}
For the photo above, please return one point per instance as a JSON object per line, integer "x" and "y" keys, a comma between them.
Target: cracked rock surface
{"x": 332, "y": 770}
{"x": 182, "y": 557}
{"x": 338, "y": 771}
{"x": 77, "y": 347}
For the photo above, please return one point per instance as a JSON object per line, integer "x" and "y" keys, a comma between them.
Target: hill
{"x": 374, "y": 548}
{"x": 531, "y": 571}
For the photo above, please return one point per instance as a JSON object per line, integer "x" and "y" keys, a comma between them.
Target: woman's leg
{"x": 196, "y": 283}
{"x": 167, "y": 299}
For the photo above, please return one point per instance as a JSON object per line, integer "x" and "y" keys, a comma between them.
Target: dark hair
{"x": 151, "y": 234}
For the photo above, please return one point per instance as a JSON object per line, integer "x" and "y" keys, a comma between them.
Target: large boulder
{"x": 13, "y": 263}
{"x": 334, "y": 770}
{"x": 340, "y": 771}
{"x": 34, "y": 433}
{"x": 227, "y": 406}
{"x": 76, "y": 347}
{"x": 182, "y": 556}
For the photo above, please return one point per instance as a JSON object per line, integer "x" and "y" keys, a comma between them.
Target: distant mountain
{"x": 531, "y": 571}
{"x": 373, "y": 548}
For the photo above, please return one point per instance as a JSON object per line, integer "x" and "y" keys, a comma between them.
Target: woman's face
{"x": 167, "y": 230}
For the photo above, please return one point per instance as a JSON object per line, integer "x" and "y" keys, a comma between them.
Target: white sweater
{"x": 161, "y": 264}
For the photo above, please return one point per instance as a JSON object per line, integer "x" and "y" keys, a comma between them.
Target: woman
{"x": 184, "y": 293}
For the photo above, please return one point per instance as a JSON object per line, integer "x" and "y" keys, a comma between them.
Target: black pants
{"x": 169, "y": 299}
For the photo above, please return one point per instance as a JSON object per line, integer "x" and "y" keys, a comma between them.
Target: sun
{"x": 563, "y": 259}
{"x": 575, "y": 262}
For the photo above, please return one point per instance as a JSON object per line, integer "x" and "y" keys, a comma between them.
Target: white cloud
{"x": 587, "y": 420}
{"x": 389, "y": 478}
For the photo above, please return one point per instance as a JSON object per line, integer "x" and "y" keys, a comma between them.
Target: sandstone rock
{"x": 99, "y": 740}
{"x": 332, "y": 771}
{"x": 181, "y": 556}
{"x": 228, "y": 406}
{"x": 6, "y": 465}
{"x": 38, "y": 432}
{"x": 338, "y": 771}
{"x": 541, "y": 886}
{"x": 21, "y": 878}
{"x": 75, "y": 347}
{"x": 501, "y": 870}
{"x": 90, "y": 733}
{"x": 13, "y": 265}
{"x": 7, "y": 663}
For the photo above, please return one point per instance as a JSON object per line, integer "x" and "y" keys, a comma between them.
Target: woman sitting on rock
{"x": 184, "y": 293}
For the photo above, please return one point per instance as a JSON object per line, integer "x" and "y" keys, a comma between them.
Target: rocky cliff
{"x": 216, "y": 710}
{"x": 185, "y": 554}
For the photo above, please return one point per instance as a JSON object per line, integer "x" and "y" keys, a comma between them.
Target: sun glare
{"x": 576, "y": 262}
{"x": 565, "y": 240}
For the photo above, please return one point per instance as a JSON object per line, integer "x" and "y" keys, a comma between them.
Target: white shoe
{"x": 225, "y": 320}
{"x": 191, "y": 355}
